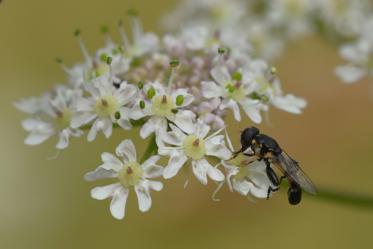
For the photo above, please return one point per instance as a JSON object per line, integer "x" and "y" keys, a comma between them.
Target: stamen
{"x": 137, "y": 30}
{"x": 62, "y": 65}
{"x": 222, "y": 53}
{"x": 123, "y": 35}
{"x": 83, "y": 48}
{"x": 105, "y": 31}
{"x": 129, "y": 170}
{"x": 173, "y": 64}
{"x": 104, "y": 103}
{"x": 164, "y": 99}
{"x": 196, "y": 142}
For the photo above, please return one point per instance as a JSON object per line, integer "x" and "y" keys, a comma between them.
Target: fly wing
{"x": 292, "y": 169}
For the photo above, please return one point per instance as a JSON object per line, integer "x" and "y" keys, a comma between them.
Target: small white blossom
{"x": 196, "y": 147}
{"x": 130, "y": 174}
{"x": 52, "y": 118}
{"x": 106, "y": 105}
{"x": 162, "y": 105}
{"x": 235, "y": 91}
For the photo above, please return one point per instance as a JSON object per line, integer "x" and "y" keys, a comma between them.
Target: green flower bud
{"x": 179, "y": 100}
{"x": 230, "y": 88}
{"x": 140, "y": 85}
{"x": 109, "y": 60}
{"x": 151, "y": 93}
{"x": 174, "y": 63}
{"x": 142, "y": 104}
{"x": 117, "y": 115}
{"x": 103, "y": 57}
{"x": 77, "y": 32}
{"x": 237, "y": 76}
{"x": 104, "y": 29}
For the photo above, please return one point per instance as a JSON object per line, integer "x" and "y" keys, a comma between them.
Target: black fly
{"x": 266, "y": 148}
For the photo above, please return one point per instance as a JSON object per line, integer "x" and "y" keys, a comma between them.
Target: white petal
{"x": 233, "y": 106}
{"x": 155, "y": 185}
{"x": 151, "y": 170}
{"x": 100, "y": 173}
{"x": 143, "y": 196}
{"x": 251, "y": 108}
{"x": 289, "y": 103}
{"x": 211, "y": 90}
{"x": 111, "y": 162}
{"x": 221, "y": 75}
{"x": 350, "y": 73}
{"x": 136, "y": 112}
{"x": 84, "y": 105}
{"x": 37, "y": 138}
{"x": 103, "y": 192}
{"x": 176, "y": 161}
{"x": 215, "y": 146}
{"x": 148, "y": 128}
{"x": 81, "y": 119}
{"x": 126, "y": 93}
{"x": 118, "y": 203}
{"x": 242, "y": 186}
{"x": 184, "y": 120}
{"x": 200, "y": 168}
{"x": 107, "y": 127}
{"x": 93, "y": 131}
{"x": 127, "y": 150}
{"x": 201, "y": 129}
{"x": 125, "y": 124}
{"x": 63, "y": 141}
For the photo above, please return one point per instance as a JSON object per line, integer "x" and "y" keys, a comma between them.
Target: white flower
{"x": 268, "y": 88}
{"x": 359, "y": 57}
{"x": 247, "y": 178}
{"x": 235, "y": 91}
{"x": 129, "y": 173}
{"x": 160, "y": 105}
{"x": 53, "y": 117}
{"x": 106, "y": 105}
{"x": 194, "y": 146}
{"x": 142, "y": 43}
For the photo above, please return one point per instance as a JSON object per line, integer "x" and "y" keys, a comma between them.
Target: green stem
{"x": 152, "y": 149}
{"x": 345, "y": 198}
{"x": 341, "y": 197}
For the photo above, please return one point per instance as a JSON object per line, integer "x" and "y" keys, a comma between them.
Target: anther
{"x": 164, "y": 99}
{"x": 104, "y": 103}
{"x": 196, "y": 142}
{"x": 129, "y": 170}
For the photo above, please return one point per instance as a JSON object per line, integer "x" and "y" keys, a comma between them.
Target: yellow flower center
{"x": 107, "y": 106}
{"x": 63, "y": 118}
{"x": 163, "y": 105}
{"x": 235, "y": 91}
{"x": 130, "y": 175}
{"x": 194, "y": 147}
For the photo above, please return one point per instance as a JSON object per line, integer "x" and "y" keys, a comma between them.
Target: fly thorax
{"x": 194, "y": 147}
{"x": 163, "y": 105}
{"x": 107, "y": 106}
{"x": 130, "y": 175}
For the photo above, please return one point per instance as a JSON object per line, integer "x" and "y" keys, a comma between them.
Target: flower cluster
{"x": 265, "y": 27}
{"x": 176, "y": 89}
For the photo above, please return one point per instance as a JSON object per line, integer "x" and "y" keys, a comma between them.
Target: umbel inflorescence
{"x": 175, "y": 89}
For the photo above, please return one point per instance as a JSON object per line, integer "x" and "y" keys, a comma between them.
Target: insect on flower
{"x": 266, "y": 148}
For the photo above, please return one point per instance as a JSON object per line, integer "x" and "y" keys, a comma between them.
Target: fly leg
{"x": 282, "y": 178}
{"x": 272, "y": 177}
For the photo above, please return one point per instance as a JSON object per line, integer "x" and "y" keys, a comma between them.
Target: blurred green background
{"x": 46, "y": 203}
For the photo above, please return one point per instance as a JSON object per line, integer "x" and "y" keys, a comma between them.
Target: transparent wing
{"x": 292, "y": 169}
